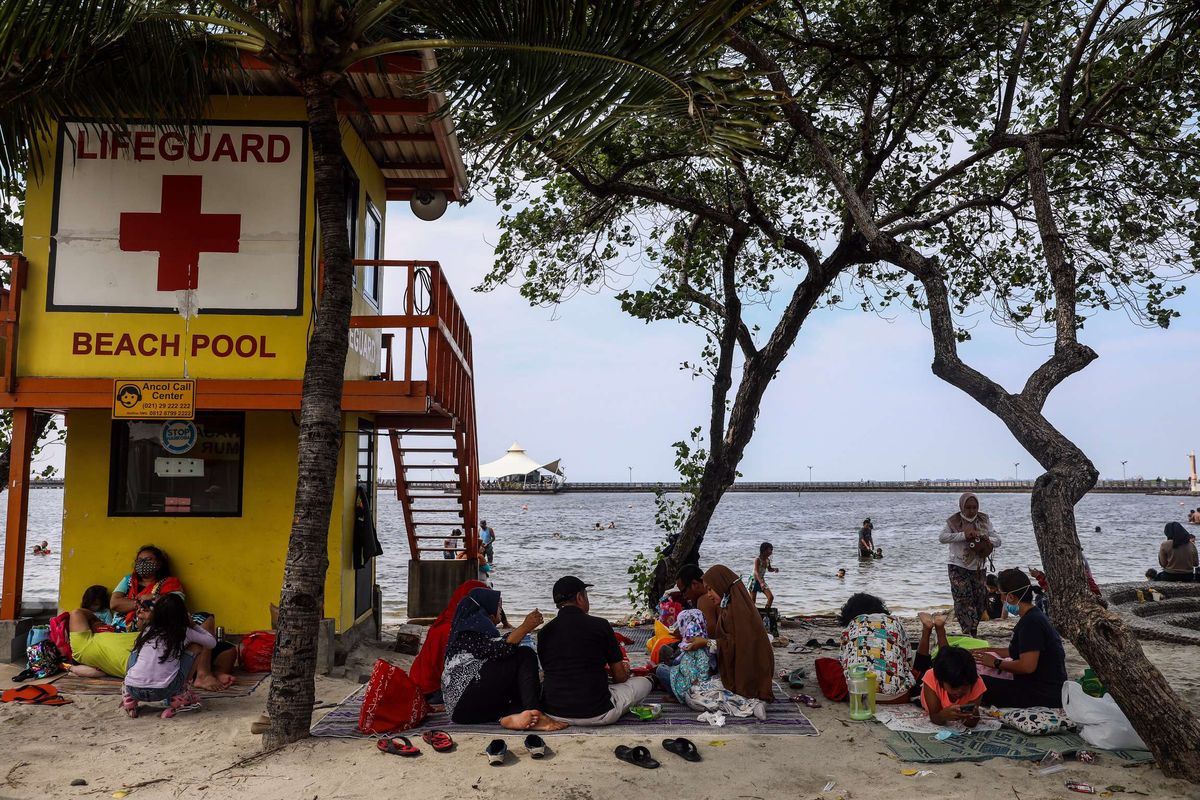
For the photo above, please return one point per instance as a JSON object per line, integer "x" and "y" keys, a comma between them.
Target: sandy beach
{"x": 202, "y": 755}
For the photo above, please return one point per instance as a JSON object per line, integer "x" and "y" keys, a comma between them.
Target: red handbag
{"x": 392, "y": 702}
{"x": 831, "y": 679}
{"x": 256, "y": 651}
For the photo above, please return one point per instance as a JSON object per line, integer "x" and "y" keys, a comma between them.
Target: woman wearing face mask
{"x": 1034, "y": 657}
{"x": 151, "y": 578}
{"x": 971, "y": 538}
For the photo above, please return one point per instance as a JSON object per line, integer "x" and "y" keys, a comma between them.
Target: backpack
{"x": 831, "y": 679}
{"x": 41, "y": 661}
{"x": 38, "y": 633}
{"x": 60, "y": 634}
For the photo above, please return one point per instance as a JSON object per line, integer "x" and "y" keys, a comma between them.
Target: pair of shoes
{"x": 185, "y": 701}
{"x": 640, "y": 757}
{"x": 497, "y": 749}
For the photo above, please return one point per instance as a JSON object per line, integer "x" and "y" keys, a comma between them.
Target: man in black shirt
{"x": 574, "y": 649}
{"x": 866, "y": 539}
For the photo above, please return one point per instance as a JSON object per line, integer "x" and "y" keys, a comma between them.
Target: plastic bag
{"x": 392, "y": 701}
{"x": 1102, "y": 722}
{"x": 256, "y": 651}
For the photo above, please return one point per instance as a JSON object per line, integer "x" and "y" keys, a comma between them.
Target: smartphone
{"x": 969, "y": 708}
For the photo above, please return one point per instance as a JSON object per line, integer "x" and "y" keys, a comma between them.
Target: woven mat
{"x": 244, "y": 684}
{"x": 923, "y": 748}
{"x": 783, "y": 718}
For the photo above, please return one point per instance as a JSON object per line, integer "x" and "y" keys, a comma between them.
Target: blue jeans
{"x": 663, "y": 673}
{"x": 152, "y": 695}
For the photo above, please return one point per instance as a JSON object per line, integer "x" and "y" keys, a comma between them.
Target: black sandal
{"x": 638, "y": 756}
{"x": 684, "y": 748}
{"x": 536, "y": 746}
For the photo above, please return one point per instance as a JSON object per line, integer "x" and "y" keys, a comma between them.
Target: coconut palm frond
{"x": 563, "y": 73}
{"x": 103, "y": 59}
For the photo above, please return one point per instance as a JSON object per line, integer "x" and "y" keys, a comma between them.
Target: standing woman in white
{"x": 971, "y": 538}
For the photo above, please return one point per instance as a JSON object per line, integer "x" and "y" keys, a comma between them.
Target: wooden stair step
{"x": 404, "y": 449}
{"x": 441, "y": 496}
{"x": 442, "y": 538}
{"x": 439, "y": 524}
{"x": 458, "y": 511}
{"x": 432, "y": 466}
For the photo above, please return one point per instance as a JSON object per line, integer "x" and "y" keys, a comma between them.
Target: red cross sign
{"x": 180, "y": 232}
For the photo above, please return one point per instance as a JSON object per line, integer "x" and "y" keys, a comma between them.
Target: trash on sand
{"x": 828, "y": 787}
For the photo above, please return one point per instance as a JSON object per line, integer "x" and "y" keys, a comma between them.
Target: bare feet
{"x": 939, "y": 621}
{"x": 524, "y": 721}
{"x": 212, "y": 683}
{"x": 548, "y": 724}
{"x": 926, "y": 620}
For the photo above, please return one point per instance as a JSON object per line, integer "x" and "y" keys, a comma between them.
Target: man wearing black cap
{"x": 574, "y": 649}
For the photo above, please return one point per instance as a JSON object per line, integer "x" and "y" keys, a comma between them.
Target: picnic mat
{"x": 783, "y": 717}
{"x": 923, "y": 748}
{"x": 244, "y": 684}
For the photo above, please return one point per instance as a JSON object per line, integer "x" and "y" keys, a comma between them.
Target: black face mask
{"x": 146, "y": 567}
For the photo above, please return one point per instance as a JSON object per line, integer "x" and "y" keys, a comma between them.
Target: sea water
{"x": 814, "y": 534}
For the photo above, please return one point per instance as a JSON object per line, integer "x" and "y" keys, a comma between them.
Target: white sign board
{"x": 154, "y": 220}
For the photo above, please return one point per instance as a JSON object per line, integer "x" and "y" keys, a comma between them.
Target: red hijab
{"x": 426, "y": 670}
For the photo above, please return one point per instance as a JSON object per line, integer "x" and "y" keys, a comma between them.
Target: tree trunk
{"x": 720, "y": 470}
{"x": 293, "y": 668}
{"x": 1106, "y": 643}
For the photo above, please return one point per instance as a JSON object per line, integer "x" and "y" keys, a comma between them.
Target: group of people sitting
{"x": 577, "y": 672}
{"x": 1177, "y": 556}
{"x": 143, "y": 632}
{"x": 964, "y": 672}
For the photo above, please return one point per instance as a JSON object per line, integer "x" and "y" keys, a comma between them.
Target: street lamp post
{"x": 810, "y": 473}
{"x": 1123, "y": 463}
{"x": 905, "y": 468}
{"x": 1016, "y": 467}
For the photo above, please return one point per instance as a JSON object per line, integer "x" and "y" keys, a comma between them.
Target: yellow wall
{"x": 230, "y": 566}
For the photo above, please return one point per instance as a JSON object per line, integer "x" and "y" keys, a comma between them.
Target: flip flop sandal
{"x": 684, "y": 748}
{"x": 405, "y": 748}
{"x": 812, "y": 643}
{"x": 536, "y": 746}
{"x": 130, "y": 706}
{"x": 439, "y": 740}
{"x": 830, "y": 644}
{"x": 496, "y": 752}
{"x": 38, "y": 694}
{"x": 807, "y": 699}
{"x": 795, "y": 678}
{"x": 638, "y": 756}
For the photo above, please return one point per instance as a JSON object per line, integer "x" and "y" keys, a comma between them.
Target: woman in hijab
{"x": 426, "y": 670}
{"x": 489, "y": 676}
{"x": 744, "y": 656}
{"x": 971, "y": 538}
{"x": 1177, "y": 555}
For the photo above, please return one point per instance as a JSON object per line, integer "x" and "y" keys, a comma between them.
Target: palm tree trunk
{"x": 293, "y": 668}
{"x": 41, "y": 421}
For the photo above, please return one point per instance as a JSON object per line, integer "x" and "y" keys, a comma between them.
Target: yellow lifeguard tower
{"x": 163, "y": 304}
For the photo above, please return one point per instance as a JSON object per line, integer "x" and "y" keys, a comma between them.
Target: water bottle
{"x": 859, "y": 685}
{"x": 220, "y": 633}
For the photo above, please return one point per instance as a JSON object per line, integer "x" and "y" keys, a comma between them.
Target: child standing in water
{"x": 163, "y": 658}
{"x": 758, "y": 580}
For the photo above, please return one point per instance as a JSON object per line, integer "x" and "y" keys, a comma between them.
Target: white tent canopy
{"x": 516, "y": 462}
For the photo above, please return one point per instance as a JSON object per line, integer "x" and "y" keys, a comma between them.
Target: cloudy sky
{"x": 855, "y": 398}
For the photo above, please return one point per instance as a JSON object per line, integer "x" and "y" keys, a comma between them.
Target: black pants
{"x": 504, "y": 686}
{"x": 1185, "y": 577}
{"x": 1017, "y": 693}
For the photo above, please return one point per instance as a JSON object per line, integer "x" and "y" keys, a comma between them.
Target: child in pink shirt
{"x": 163, "y": 658}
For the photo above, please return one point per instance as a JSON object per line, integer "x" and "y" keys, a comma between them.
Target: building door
{"x": 364, "y": 577}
